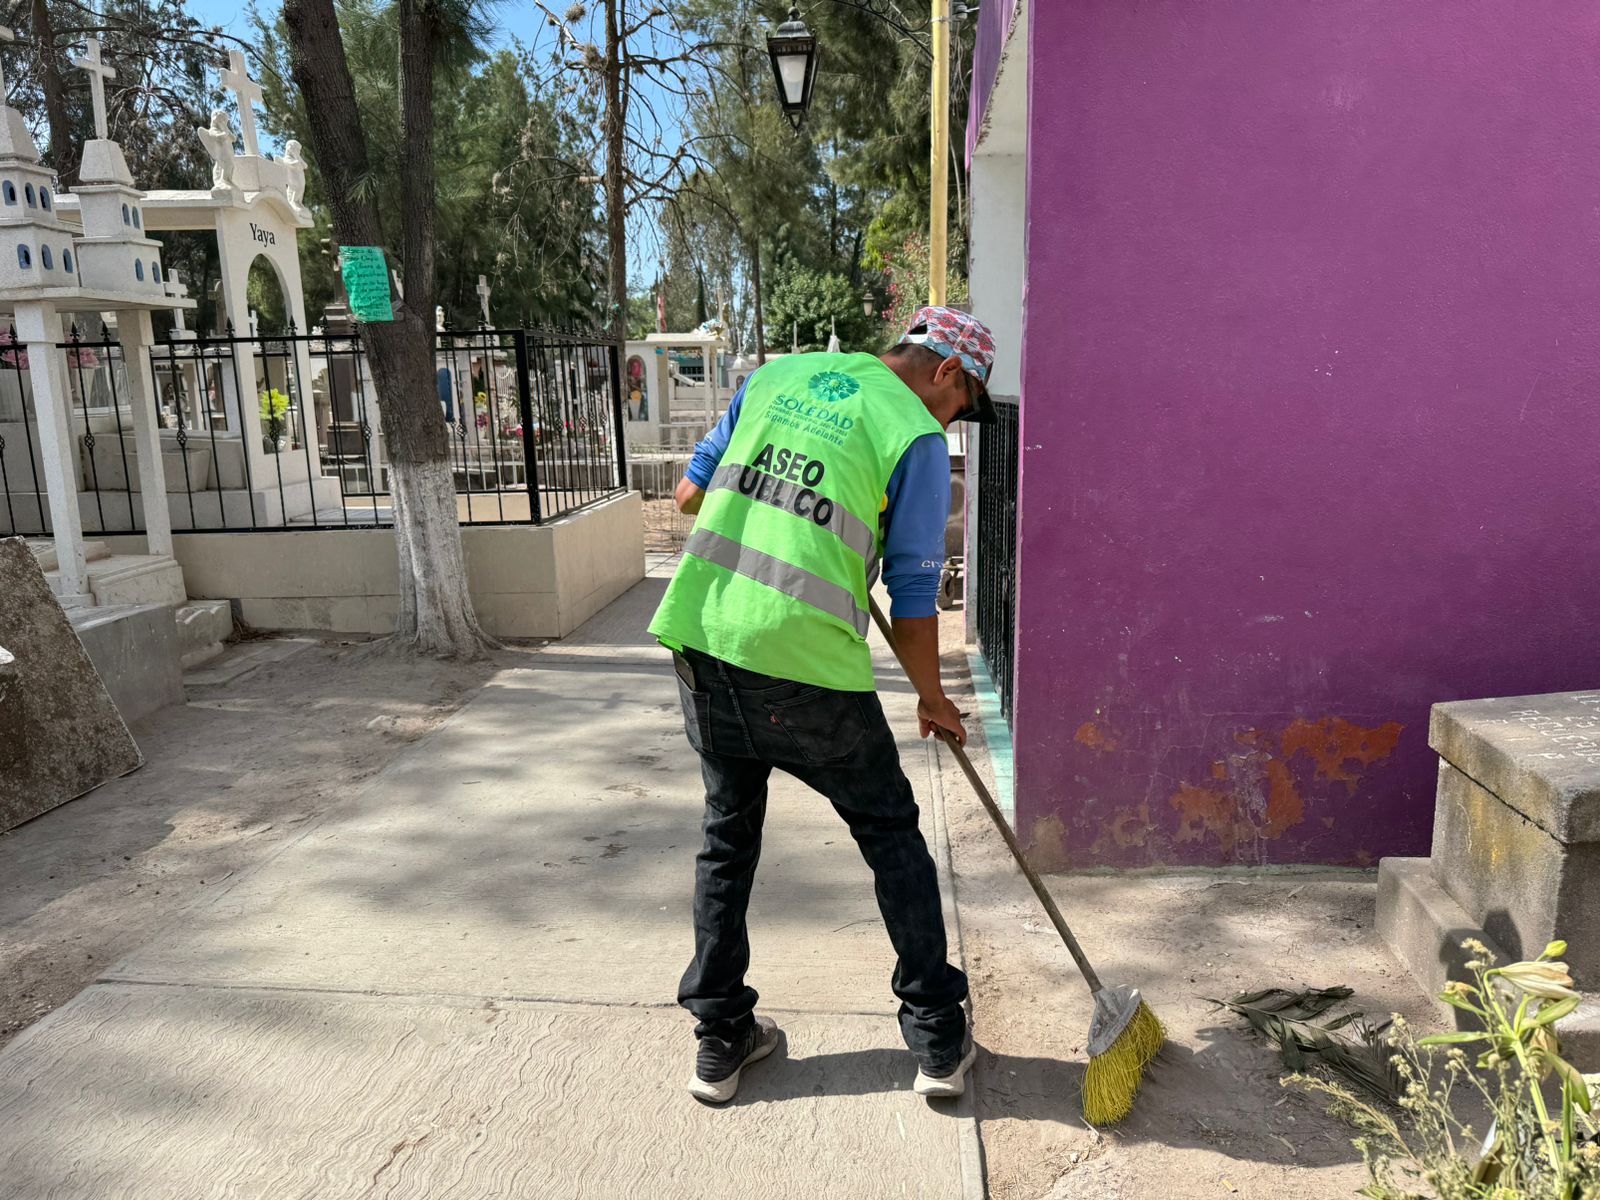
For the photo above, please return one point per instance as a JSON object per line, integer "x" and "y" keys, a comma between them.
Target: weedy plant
{"x": 1542, "y": 1142}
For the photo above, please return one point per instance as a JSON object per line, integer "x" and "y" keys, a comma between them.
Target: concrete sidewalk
{"x": 459, "y": 984}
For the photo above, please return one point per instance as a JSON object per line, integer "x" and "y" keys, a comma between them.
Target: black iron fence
{"x": 532, "y": 418}
{"x": 98, "y": 418}
{"x": 997, "y": 549}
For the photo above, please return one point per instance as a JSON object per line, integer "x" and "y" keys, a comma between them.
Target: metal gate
{"x": 997, "y": 549}
{"x": 653, "y": 471}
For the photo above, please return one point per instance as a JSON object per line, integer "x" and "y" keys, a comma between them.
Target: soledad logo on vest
{"x": 832, "y": 386}
{"x": 817, "y": 419}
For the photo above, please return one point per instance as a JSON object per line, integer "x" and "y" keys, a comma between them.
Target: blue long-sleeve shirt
{"x": 914, "y": 519}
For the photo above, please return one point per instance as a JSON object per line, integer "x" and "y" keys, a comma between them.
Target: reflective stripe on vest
{"x": 784, "y": 496}
{"x": 784, "y": 577}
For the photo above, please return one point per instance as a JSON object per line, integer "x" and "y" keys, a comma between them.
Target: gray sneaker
{"x": 949, "y": 1082}
{"x": 717, "y": 1064}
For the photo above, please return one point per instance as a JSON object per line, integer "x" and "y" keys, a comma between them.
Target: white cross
{"x": 6, "y": 35}
{"x": 247, "y": 91}
{"x": 179, "y": 291}
{"x": 98, "y": 73}
{"x": 483, "y": 298}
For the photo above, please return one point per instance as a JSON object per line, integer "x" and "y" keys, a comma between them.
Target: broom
{"x": 1124, "y": 1034}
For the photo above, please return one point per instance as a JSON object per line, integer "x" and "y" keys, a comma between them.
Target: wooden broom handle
{"x": 999, "y": 820}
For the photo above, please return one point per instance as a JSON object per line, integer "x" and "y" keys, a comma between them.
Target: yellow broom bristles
{"x": 1112, "y": 1080}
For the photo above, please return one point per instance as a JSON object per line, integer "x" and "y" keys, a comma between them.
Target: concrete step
{"x": 120, "y": 579}
{"x": 137, "y": 579}
{"x": 1424, "y": 927}
{"x": 203, "y": 626}
{"x": 44, "y": 550}
{"x": 133, "y": 647}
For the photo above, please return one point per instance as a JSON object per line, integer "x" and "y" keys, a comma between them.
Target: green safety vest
{"x": 774, "y": 575}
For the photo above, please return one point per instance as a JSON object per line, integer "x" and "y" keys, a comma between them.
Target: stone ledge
{"x": 1539, "y": 754}
{"x": 1422, "y": 923}
{"x": 1424, "y": 928}
{"x": 1511, "y": 877}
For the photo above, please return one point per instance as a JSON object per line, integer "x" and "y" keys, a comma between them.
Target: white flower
{"x": 1548, "y": 980}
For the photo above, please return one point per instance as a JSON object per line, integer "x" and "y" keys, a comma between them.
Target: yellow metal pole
{"x": 939, "y": 154}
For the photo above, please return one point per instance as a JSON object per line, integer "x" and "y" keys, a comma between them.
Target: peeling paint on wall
{"x": 1047, "y": 848}
{"x": 1256, "y": 795}
{"x": 1333, "y": 742}
{"x": 1093, "y": 736}
{"x": 1129, "y": 827}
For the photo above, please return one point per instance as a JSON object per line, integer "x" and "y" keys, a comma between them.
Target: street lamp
{"x": 868, "y": 303}
{"x": 793, "y": 51}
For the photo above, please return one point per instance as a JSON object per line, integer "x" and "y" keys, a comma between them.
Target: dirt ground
{"x": 665, "y": 528}
{"x": 228, "y": 777}
{"x": 1212, "y": 1119}
{"x": 238, "y": 771}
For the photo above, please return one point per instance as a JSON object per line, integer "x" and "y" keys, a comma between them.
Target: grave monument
{"x": 1515, "y": 860}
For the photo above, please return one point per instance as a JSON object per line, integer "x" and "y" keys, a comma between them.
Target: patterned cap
{"x": 950, "y": 332}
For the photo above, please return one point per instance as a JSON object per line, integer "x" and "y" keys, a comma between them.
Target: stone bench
{"x": 1516, "y": 843}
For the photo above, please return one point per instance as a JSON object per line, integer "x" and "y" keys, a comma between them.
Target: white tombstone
{"x": 35, "y": 246}
{"x": 43, "y": 273}
{"x": 114, "y": 254}
{"x": 178, "y": 292}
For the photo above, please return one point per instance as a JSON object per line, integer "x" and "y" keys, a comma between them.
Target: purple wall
{"x": 994, "y": 25}
{"x": 1311, "y": 412}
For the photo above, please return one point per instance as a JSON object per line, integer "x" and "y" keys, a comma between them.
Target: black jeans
{"x": 744, "y": 724}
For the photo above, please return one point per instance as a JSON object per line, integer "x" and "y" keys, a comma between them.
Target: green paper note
{"x": 366, "y": 282}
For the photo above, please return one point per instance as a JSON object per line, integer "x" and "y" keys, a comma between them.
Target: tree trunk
{"x": 436, "y": 615}
{"x": 755, "y": 278}
{"x": 616, "y": 125}
{"x": 64, "y": 148}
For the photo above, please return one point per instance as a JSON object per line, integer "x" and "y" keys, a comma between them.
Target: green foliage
{"x": 509, "y": 158}
{"x": 264, "y": 294}
{"x": 641, "y": 315}
{"x": 1530, "y": 1150}
{"x": 813, "y": 299}
{"x": 160, "y": 92}
{"x": 907, "y": 289}
{"x": 843, "y": 197}
{"x": 274, "y": 405}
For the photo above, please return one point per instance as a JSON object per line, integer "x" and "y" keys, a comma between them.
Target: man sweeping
{"x": 824, "y": 467}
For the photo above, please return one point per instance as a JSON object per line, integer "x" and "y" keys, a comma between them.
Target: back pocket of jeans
{"x": 825, "y": 726}
{"x": 696, "y": 717}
